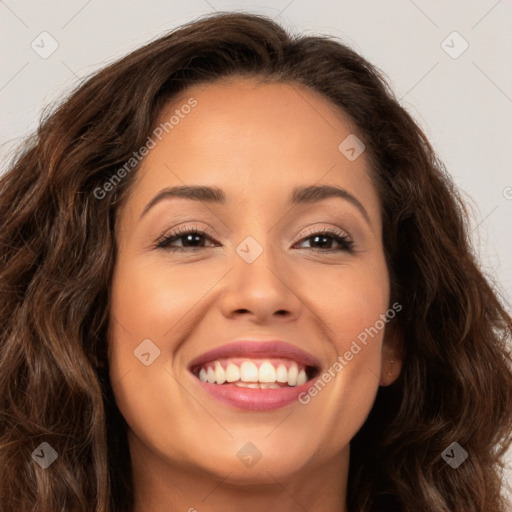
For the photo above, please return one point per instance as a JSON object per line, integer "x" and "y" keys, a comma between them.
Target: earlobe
{"x": 391, "y": 361}
{"x": 390, "y": 371}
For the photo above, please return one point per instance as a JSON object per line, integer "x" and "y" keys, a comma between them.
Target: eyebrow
{"x": 214, "y": 195}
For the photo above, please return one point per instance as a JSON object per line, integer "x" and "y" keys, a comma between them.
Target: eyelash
{"x": 339, "y": 236}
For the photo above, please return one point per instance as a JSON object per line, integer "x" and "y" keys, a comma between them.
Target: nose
{"x": 262, "y": 290}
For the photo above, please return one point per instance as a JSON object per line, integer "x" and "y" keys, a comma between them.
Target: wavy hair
{"x": 57, "y": 253}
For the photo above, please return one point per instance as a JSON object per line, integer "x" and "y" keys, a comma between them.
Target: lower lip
{"x": 254, "y": 399}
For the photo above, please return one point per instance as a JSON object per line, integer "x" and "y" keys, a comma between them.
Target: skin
{"x": 256, "y": 141}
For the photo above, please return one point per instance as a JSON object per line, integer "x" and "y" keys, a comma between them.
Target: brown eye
{"x": 325, "y": 238}
{"x": 191, "y": 240}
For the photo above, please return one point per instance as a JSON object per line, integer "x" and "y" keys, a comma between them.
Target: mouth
{"x": 274, "y": 373}
{"x": 255, "y": 375}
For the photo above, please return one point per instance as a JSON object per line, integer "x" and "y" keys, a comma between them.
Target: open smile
{"x": 253, "y": 382}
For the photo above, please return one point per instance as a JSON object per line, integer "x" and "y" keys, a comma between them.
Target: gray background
{"x": 463, "y": 102}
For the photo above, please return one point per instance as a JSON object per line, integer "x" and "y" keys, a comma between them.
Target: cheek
{"x": 153, "y": 300}
{"x": 160, "y": 301}
{"x": 153, "y": 308}
{"x": 349, "y": 300}
{"x": 351, "y": 306}
{"x": 148, "y": 305}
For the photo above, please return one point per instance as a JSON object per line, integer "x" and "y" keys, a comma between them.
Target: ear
{"x": 392, "y": 356}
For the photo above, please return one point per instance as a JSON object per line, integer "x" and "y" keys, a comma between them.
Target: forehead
{"x": 257, "y": 140}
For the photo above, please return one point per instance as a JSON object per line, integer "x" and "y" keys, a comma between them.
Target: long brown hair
{"x": 57, "y": 253}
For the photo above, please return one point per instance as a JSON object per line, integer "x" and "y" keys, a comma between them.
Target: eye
{"x": 191, "y": 235}
{"x": 191, "y": 240}
{"x": 322, "y": 238}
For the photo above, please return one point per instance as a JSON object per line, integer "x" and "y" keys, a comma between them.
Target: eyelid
{"x": 325, "y": 229}
{"x": 182, "y": 231}
{"x": 340, "y": 235}
{"x": 334, "y": 232}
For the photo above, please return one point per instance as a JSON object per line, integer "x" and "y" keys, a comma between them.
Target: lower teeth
{"x": 257, "y": 385}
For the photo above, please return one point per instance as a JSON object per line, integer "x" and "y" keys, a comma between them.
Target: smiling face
{"x": 278, "y": 261}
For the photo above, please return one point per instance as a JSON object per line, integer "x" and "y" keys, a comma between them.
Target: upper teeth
{"x": 248, "y": 371}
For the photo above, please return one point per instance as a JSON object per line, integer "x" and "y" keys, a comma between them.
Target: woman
{"x": 171, "y": 340}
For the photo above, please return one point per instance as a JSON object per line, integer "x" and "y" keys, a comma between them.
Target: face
{"x": 299, "y": 277}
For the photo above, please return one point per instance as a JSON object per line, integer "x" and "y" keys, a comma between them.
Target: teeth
{"x": 232, "y": 373}
{"x": 293, "y": 373}
{"x": 247, "y": 374}
{"x": 210, "y": 375}
{"x": 267, "y": 373}
{"x": 220, "y": 374}
{"x": 255, "y": 385}
{"x": 282, "y": 373}
{"x": 302, "y": 378}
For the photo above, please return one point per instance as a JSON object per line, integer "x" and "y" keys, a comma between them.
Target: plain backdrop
{"x": 448, "y": 61}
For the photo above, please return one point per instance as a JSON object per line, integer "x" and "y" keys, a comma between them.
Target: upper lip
{"x": 255, "y": 348}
